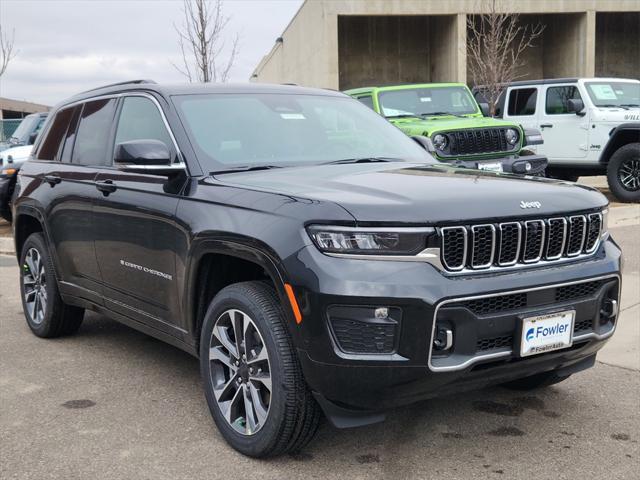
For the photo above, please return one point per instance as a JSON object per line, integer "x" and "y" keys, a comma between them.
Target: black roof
{"x": 199, "y": 88}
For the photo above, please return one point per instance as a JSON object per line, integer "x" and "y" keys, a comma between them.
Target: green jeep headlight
{"x": 440, "y": 141}
{"x": 511, "y": 136}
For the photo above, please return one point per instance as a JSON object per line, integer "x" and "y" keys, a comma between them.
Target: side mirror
{"x": 575, "y": 105}
{"x": 32, "y": 138}
{"x": 484, "y": 108}
{"x": 142, "y": 152}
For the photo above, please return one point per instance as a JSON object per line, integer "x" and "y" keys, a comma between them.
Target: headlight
{"x": 512, "y": 136}
{"x": 370, "y": 241}
{"x": 440, "y": 141}
{"x": 605, "y": 222}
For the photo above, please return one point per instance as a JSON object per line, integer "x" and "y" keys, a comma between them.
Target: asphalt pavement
{"x": 112, "y": 403}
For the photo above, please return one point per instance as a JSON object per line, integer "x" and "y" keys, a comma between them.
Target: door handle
{"x": 546, "y": 125}
{"x": 106, "y": 187}
{"x": 52, "y": 180}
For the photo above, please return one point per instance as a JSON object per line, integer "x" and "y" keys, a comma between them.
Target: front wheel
{"x": 252, "y": 378}
{"x": 623, "y": 173}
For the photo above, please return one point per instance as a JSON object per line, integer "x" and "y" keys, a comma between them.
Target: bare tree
{"x": 201, "y": 42}
{"x": 6, "y": 50}
{"x": 495, "y": 43}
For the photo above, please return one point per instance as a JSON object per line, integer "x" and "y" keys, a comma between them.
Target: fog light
{"x": 527, "y": 166}
{"x": 381, "y": 312}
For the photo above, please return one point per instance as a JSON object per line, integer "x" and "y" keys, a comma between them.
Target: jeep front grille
{"x": 527, "y": 242}
{"x": 478, "y": 141}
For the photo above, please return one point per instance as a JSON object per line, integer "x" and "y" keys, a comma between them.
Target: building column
{"x": 588, "y": 40}
{"x": 460, "y": 47}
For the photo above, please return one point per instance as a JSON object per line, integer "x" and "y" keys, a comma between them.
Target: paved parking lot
{"x": 113, "y": 403}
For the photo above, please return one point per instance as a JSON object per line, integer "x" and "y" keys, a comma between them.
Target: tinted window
{"x": 557, "y": 98}
{"x": 141, "y": 120}
{"x": 93, "y": 133}
{"x": 522, "y": 101}
{"x": 368, "y": 101}
{"x": 70, "y": 136}
{"x": 51, "y": 144}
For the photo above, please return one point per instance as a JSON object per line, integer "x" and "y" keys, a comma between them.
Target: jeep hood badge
{"x": 524, "y": 204}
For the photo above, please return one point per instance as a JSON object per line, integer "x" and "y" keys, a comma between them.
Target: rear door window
{"x": 50, "y": 146}
{"x": 70, "y": 136}
{"x": 92, "y": 137}
{"x": 558, "y": 98}
{"x": 522, "y": 101}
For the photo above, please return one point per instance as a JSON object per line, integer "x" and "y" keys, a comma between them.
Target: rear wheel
{"x": 47, "y": 315}
{"x": 623, "y": 173}
{"x": 533, "y": 382}
{"x": 252, "y": 378}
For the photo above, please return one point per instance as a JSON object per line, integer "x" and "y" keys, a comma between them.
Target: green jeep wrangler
{"x": 447, "y": 121}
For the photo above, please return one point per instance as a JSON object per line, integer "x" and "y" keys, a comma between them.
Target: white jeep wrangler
{"x": 590, "y": 126}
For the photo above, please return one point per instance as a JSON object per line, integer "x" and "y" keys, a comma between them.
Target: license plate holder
{"x": 490, "y": 166}
{"x": 546, "y": 332}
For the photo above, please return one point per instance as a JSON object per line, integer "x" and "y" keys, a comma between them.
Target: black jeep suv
{"x": 310, "y": 254}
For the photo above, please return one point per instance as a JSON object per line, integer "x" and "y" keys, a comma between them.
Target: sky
{"x": 67, "y": 46}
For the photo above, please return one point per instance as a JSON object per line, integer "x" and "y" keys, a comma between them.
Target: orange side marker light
{"x": 293, "y": 302}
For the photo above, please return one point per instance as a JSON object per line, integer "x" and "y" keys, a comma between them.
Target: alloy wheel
{"x": 629, "y": 174}
{"x": 34, "y": 286}
{"x": 240, "y": 372}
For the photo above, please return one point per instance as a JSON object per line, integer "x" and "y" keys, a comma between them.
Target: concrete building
{"x": 350, "y": 43}
{"x": 15, "y": 109}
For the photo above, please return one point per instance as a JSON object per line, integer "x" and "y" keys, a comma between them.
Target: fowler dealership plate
{"x": 545, "y": 333}
{"x": 491, "y": 166}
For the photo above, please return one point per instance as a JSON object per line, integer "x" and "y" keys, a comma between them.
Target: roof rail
{"x": 127, "y": 82}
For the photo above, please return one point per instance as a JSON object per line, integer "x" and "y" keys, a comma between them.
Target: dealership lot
{"x": 113, "y": 403}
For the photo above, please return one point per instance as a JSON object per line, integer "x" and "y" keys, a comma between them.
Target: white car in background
{"x": 11, "y": 160}
{"x": 590, "y": 126}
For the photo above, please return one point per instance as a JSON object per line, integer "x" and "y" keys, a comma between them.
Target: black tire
{"x": 55, "y": 318}
{"x": 623, "y": 173}
{"x": 293, "y": 416}
{"x": 533, "y": 382}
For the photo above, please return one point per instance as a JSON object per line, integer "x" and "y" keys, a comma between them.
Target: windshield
{"x": 232, "y": 130}
{"x": 614, "y": 94}
{"x": 427, "y": 101}
{"x": 25, "y": 128}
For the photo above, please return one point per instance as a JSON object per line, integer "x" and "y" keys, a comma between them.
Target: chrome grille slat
{"x": 481, "y": 250}
{"x": 534, "y": 231}
{"x": 509, "y": 247}
{"x": 556, "y": 237}
{"x": 491, "y": 246}
{"x": 594, "y": 231}
{"x": 577, "y": 232}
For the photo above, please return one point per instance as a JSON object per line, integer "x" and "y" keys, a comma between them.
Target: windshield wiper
{"x": 363, "y": 160}
{"x": 403, "y": 115}
{"x": 245, "y": 168}
{"x": 630, "y": 105}
{"x": 438, "y": 114}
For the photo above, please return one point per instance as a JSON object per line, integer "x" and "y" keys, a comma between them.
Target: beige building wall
{"x": 309, "y": 53}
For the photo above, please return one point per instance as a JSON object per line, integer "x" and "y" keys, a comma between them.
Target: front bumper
{"x": 409, "y": 373}
{"x": 510, "y": 164}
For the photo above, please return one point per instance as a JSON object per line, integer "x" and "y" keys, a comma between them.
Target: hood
{"x": 396, "y": 193}
{"x": 447, "y": 123}
{"x": 615, "y": 115}
{"x": 18, "y": 154}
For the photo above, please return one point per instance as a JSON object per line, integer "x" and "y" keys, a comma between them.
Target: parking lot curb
{"x": 624, "y": 216}
{"x": 6, "y": 246}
